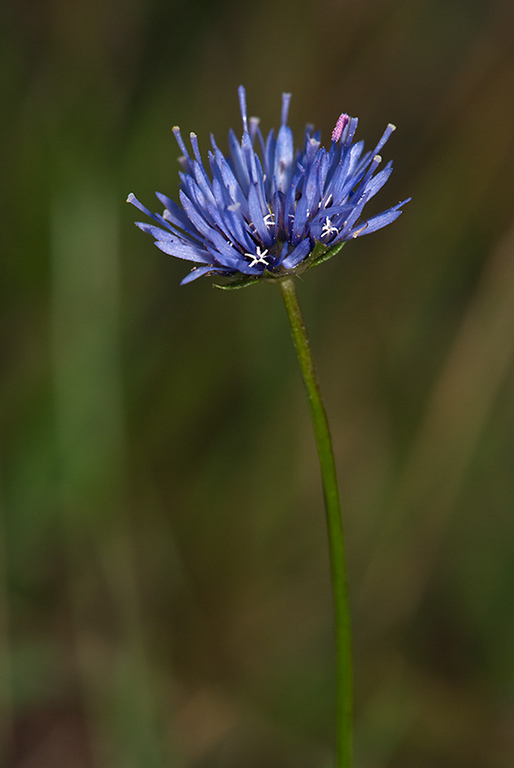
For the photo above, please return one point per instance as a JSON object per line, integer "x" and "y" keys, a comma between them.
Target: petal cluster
{"x": 262, "y": 210}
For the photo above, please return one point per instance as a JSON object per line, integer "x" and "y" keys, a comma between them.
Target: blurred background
{"x": 164, "y": 588}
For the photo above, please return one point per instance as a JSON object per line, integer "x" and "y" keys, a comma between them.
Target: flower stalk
{"x": 344, "y": 684}
{"x": 266, "y": 212}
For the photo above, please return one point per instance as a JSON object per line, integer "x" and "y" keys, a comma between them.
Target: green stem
{"x": 344, "y": 709}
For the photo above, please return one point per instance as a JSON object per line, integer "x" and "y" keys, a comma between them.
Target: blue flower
{"x": 265, "y": 211}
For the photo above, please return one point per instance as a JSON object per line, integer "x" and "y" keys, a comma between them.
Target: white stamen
{"x": 258, "y": 258}
{"x": 328, "y": 228}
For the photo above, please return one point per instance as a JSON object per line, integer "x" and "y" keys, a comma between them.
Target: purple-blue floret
{"x": 263, "y": 209}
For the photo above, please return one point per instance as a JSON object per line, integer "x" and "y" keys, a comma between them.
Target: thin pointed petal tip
{"x": 286, "y": 101}
{"x": 267, "y": 210}
{"x": 242, "y": 105}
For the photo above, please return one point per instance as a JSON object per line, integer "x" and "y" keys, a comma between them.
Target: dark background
{"x": 164, "y": 593}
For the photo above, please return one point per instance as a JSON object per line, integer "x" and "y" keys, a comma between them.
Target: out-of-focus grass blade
{"x": 112, "y": 664}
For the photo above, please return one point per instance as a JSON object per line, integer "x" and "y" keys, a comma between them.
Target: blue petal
{"x": 289, "y": 207}
{"x": 227, "y": 254}
{"x": 336, "y": 215}
{"x": 286, "y": 100}
{"x": 376, "y": 184}
{"x": 183, "y": 251}
{"x": 388, "y": 131}
{"x": 282, "y": 255}
{"x": 269, "y": 160}
{"x": 242, "y": 103}
{"x": 231, "y": 258}
{"x": 239, "y": 165}
{"x": 349, "y": 131}
{"x": 203, "y": 181}
{"x": 341, "y": 180}
{"x": 132, "y": 199}
{"x": 175, "y": 214}
{"x": 151, "y": 229}
{"x": 257, "y": 217}
{"x": 382, "y": 220}
{"x": 309, "y": 201}
{"x": 256, "y": 131}
{"x": 363, "y": 182}
{"x": 283, "y": 158}
{"x": 352, "y": 218}
{"x": 297, "y": 255}
{"x": 254, "y": 168}
{"x": 180, "y": 141}
{"x": 194, "y": 216}
{"x": 156, "y": 232}
{"x": 196, "y": 273}
{"x": 229, "y": 180}
{"x": 377, "y": 222}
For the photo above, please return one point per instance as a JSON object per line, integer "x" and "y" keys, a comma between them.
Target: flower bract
{"x": 264, "y": 210}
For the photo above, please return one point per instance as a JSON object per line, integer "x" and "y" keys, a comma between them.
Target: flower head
{"x": 264, "y": 210}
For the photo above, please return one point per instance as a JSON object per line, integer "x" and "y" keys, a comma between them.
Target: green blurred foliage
{"x": 164, "y": 593}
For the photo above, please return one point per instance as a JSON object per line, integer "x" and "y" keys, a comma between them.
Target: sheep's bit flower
{"x": 266, "y": 212}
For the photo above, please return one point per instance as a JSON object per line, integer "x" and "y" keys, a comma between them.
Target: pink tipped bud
{"x": 341, "y": 124}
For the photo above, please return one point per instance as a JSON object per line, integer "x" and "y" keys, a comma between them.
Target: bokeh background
{"x": 164, "y": 586}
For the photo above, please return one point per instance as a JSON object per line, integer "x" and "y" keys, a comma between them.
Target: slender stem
{"x": 344, "y": 694}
